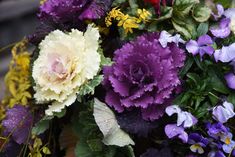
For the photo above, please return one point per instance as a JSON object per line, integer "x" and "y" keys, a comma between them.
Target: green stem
{"x": 212, "y": 94}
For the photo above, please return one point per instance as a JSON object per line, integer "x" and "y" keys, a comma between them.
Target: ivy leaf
{"x": 202, "y": 29}
{"x": 201, "y": 13}
{"x": 89, "y": 87}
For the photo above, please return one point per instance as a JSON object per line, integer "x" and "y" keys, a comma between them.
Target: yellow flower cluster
{"x": 126, "y": 21}
{"x": 17, "y": 80}
{"x": 42, "y": 1}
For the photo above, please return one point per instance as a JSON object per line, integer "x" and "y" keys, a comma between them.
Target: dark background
{"x": 17, "y": 19}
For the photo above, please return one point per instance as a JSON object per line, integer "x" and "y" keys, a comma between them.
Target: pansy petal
{"x": 192, "y": 47}
{"x": 204, "y": 40}
{"x": 230, "y": 78}
{"x": 230, "y": 13}
{"x": 170, "y": 110}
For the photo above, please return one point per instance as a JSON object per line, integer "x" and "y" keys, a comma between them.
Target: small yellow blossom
{"x": 126, "y": 21}
{"x": 17, "y": 80}
{"x": 42, "y": 1}
{"x": 144, "y": 15}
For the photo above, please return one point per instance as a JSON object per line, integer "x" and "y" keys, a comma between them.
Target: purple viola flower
{"x": 173, "y": 131}
{"x": 198, "y": 143}
{"x": 18, "y": 121}
{"x": 144, "y": 76}
{"x": 184, "y": 118}
{"x": 230, "y": 79}
{"x": 226, "y": 54}
{"x": 202, "y": 46}
{"x": 217, "y": 153}
{"x": 230, "y": 13}
{"x": 223, "y": 113}
{"x": 216, "y": 130}
{"x": 72, "y": 11}
{"x": 219, "y": 12}
{"x": 223, "y": 30}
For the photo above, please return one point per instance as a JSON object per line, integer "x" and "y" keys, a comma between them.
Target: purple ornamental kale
{"x": 18, "y": 121}
{"x": 202, "y": 46}
{"x": 144, "y": 76}
{"x": 73, "y": 11}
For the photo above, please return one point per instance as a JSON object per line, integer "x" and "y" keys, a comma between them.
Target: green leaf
{"x": 202, "y": 29}
{"x": 188, "y": 64}
{"x": 41, "y": 127}
{"x": 166, "y": 13}
{"x": 231, "y": 98}
{"x": 201, "y": 13}
{"x": 104, "y": 60}
{"x": 83, "y": 150}
{"x": 89, "y": 87}
{"x": 195, "y": 77}
{"x": 95, "y": 144}
{"x": 185, "y": 26}
{"x": 183, "y": 7}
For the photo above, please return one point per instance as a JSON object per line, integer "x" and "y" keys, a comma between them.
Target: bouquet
{"x": 123, "y": 78}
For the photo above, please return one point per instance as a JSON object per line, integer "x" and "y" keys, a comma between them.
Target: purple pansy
{"x": 19, "y": 119}
{"x": 184, "y": 118}
{"x": 173, "y": 131}
{"x": 223, "y": 30}
{"x": 72, "y": 11}
{"x": 202, "y": 46}
{"x": 217, "y": 153}
{"x": 143, "y": 76}
{"x": 197, "y": 142}
{"x": 219, "y": 12}
{"x": 223, "y": 113}
{"x": 216, "y": 130}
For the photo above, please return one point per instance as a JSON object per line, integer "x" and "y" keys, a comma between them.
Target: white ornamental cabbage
{"x": 66, "y": 61}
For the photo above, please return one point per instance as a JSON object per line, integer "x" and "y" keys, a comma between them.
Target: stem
{"x": 7, "y": 46}
{"x": 214, "y": 96}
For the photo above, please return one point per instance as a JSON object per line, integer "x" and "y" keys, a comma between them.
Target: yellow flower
{"x": 17, "y": 79}
{"x": 126, "y": 21}
{"x": 42, "y": 1}
{"x": 144, "y": 15}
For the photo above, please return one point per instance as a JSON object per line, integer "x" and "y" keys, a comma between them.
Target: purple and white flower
{"x": 219, "y": 12}
{"x": 223, "y": 113}
{"x": 166, "y": 38}
{"x": 184, "y": 118}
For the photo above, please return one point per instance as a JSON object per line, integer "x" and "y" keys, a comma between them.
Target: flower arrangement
{"x": 116, "y": 78}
